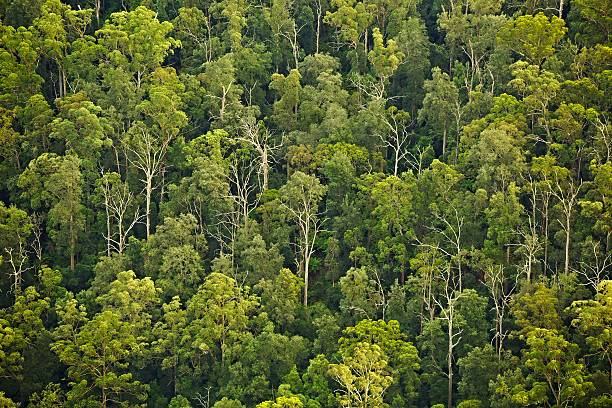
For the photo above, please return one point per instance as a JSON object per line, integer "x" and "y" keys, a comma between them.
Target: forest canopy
{"x": 305, "y": 203}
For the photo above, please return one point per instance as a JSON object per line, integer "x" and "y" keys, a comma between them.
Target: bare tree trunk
{"x": 72, "y": 243}
{"x": 149, "y": 190}
{"x": 545, "y": 215}
{"x": 319, "y": 11}
{"x": 108, "y": 225}
{"x": 444, "y": 142}
{"x": 567, "y": 243}
{"x": 265, "y": 168}
{"x": 306, "y": 267}
{"x": 450, "y": 367}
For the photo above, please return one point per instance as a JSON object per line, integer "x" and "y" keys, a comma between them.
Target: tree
{"x": 280, "y": 18}
{"x": 55, "y": 183}
{"x": 170, "y": 341}
{"x": 441, "y": 108}
{"x": 132, "y": 300}
{"x": 362, "y": 294}
{"x": 256, "y": 135}
{"x": 396, "y": 136}
{"x": 596, "y": 13}
{"x": 538, "y": 87}
{"x": 536, "y": 307}
{"x": 402, "y": 357}
{"x": 15, "y": 229}
{"x": 51, "y": 396}
{"x": 554, "y": 375}
{"x": 80, "y": 127}
{"x": 300, "y": 197}
{"x": 140, "y": 38}
{"x": 217, "y": 314}
{"x": 222, "y": 92}
{"x": 478, "y": 369}
{"x": 559, "y": 181}
{"x": 289, "y": 91}
{"x": 504, "y": 218}
{"x": 258, "y": 363}
{"x": 533, "y": 37}
{"x": 352, "y": 19}
{"x": 498, "y": 157}
{"x": 58, "y": 25}
{"x": 597, "y": 203}
{"x": 362, "y": 375}
{"x": 393, "y": 211}
{"x": 120, "y": 207}
{"x": 593, "y": 321}
{"x": 501, "y": 291}
{"x": 174, "y": 256}
{"x": 254, "y": 260}
{"x": 471, "y": 30}
{"x": 147, "y": 142}
{"x": 384, "y": 59}
{"x": 280, "y": 297}
{"x": 97, "y": 353}
{"x": 282, "y": 402}
{"x": 458, "y": 328}
{"x": 20, "y": 326}
{"x": 204, "y": 193}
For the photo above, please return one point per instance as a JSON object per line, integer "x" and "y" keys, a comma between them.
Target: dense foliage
{"x": 305, "y": 203}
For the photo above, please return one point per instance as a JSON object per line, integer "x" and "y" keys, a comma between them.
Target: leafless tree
{"x": 530, "y": 246}
{"x": 566, "y": 192}
{"x": 598, "y": 268}
{"x": 17, "y": 258}
{"x": 147, "y": 153}
{"x": 318, "y": 8}
{"x": 37, "y": 231}
{"x": 255, "y": 134}
{"x": 242, "y": 199}
{"x": 396, "y": 137}
{"x": 122, "y": 215}
{"x": 447, "y": 302}
{"x": 291, "y": 35}
{"x": 602, "y": 126}
{"x": 451, "y": 231}
{"x": 300, "y": 199}
{"x": 501, "y": 292}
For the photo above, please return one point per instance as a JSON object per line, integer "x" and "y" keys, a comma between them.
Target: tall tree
{"x": 55, "y": 183}
{"x": 300, "y": 197}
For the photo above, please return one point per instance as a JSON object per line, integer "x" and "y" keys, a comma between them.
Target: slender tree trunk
{"x": 567, "y": 242}
{"x": 149, "y": 189}
{"x": 318, "y": 32}
{"x": 449, "y": 361}
{"x": 108, "y": 224}
{"x": 265, "y": 168}
{"x": 72, "y": 243}
{"x": 306, "y": 266}
{"x": 121, "y": 239}
{"x": 529, "y": 263}
{"x": 444, "y": 142}
{"x": 545, "y": 237}
{"x": 98, "y": 9}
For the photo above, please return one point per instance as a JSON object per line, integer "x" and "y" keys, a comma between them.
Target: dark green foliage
{"x": 305, "y": 203}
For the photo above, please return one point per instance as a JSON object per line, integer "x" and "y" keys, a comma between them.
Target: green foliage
{"x": 97, "y": 352}
{"x": 305, "y": 203}
{"x": 362, "y": 376}
{"x": 533, "y": 37}
{"x": 280, "y": 297}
